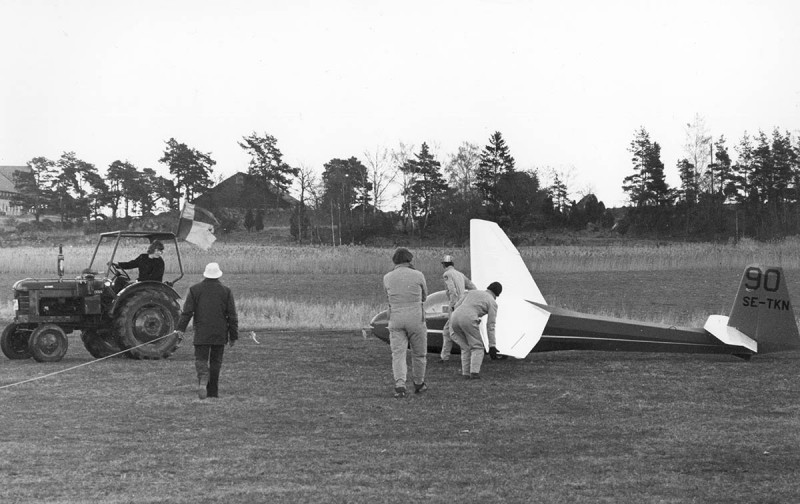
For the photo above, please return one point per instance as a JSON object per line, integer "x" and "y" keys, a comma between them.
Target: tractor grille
{"x": 23, "y": 301}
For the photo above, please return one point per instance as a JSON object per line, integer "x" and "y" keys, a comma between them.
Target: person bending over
{"x": 466, "y": 320}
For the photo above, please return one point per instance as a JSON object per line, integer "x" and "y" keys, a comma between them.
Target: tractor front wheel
{"x": 48, "y": 343}
{"x": 14, "y": 342}
{"x": 145, "y": 325}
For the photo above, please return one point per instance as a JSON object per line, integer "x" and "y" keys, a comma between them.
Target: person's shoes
{"x": 422, "y": 387}
{"x": 202, "y": 391}
{"x": 475, "y": 376}
{"x": 466, "y": 376}
{"x": 399, "y": 392}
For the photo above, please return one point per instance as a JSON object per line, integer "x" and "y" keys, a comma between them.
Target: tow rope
{"x": 87, "y": 363}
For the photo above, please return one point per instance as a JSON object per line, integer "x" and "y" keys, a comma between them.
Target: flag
{"x": 197, "y": 226}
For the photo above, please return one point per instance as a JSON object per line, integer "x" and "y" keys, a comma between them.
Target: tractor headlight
{"x": 16, "y": 305}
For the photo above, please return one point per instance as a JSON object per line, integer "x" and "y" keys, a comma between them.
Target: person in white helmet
{"x": 455, "y": 284}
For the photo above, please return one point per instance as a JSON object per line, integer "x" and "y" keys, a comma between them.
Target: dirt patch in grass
{"x": 309, "y": 417}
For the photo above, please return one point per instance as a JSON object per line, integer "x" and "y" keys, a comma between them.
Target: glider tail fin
{"x": 763, "y": 311}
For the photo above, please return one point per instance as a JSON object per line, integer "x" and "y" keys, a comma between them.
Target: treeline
{"x": 75, "y": 190}
{"x": 342, "y": 206}
{"x": 755, "y": 194}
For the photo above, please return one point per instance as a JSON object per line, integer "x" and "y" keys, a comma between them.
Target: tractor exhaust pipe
{"x": 60, "y": 263}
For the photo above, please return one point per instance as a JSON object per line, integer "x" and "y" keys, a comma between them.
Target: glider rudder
{"x": 763, "y": 311}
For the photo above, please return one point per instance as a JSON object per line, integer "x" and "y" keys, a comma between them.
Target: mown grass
{"x": 308, "y": 417}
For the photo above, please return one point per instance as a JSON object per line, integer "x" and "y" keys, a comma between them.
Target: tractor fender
{"x": 135, "y": 287}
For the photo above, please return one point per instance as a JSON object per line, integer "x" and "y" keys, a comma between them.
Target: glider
{"x": 761, "y": 320}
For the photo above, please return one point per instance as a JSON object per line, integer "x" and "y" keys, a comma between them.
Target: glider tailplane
{"x": 763, "y": 311}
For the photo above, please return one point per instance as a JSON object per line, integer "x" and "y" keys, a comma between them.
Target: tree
{"x": 190, "y": 168}
{"x": 690, "y": 189}
{"x": 428, "y": 185}
{"x": 81, "y": 189}
{"x": 559, "y": 194}
{"x": 346, "y": 186}
{"x": 400, "y": 157}
{"x": 522, "y": 197}
{"x": 462, "y": 167}
{"x": 122, "y": 178}
{"x": 697, "y": 148}
{"x": 381, "y": 175}
{"x": 307, "y": 180}
{"x": 35, "y": 188}
{"x": 495, "y": 162}
{"x": 145, "y": 192}
{"x": 647, "y": 187}
{"x": 266, "y": 163}
{"x": 721, "y": 170}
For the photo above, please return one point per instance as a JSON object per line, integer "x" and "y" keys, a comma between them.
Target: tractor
{"x": 112, "y": 313}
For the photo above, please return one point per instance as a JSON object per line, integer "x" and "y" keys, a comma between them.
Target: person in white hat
{"x": 455, "y": 284}
{"x": 211, "y": 305}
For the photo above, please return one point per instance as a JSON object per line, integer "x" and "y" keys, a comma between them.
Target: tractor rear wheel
{"x": 14, "y": 342}
{"x": 145, "y": 318}
{"x": 48, "y": 343}
{"x": 99, "y": 343}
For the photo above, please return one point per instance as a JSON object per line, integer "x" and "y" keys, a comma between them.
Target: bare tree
{"x": 461, "y": 167}
{"x": 697, "y": 147}
{"x": 307, "y": 182}
{"x": 381, "y": 173}
{"x": 400, "y": 158}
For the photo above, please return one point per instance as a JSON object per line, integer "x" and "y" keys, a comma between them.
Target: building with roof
{"x": 244, "y": 191}
{"x": 8, "y": 189}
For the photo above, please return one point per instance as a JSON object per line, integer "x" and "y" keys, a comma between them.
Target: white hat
{"x": 447, "y": 259}
{"x": 212, "y": 271}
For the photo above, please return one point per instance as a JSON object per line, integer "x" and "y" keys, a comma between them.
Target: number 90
{"x": 755, "y": 279}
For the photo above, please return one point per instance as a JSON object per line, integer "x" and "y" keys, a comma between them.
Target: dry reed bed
{"x": 269, "y": 312}
{"x": 255, "y": 259}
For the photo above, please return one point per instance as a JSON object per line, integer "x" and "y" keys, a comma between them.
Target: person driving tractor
{"x": 150, "y": 265}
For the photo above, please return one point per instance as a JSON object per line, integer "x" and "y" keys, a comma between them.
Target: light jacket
{"x": 455, "y": 283}
{"x": 475, "y": 304}
{"x": 406, "y": 289}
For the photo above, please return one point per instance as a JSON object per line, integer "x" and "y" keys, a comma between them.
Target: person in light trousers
{"x": 406, "y": 289}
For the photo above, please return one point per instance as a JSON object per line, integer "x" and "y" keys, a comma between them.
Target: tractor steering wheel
{"x": 118, "y": 272}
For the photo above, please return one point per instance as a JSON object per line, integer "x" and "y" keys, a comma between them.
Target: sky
{"x": 567, "y": 83}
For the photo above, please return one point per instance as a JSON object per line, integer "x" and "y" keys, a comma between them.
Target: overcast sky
{"x": 567, "y": 83}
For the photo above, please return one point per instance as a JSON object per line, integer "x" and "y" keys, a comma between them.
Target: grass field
{"x": 307, "y": 415}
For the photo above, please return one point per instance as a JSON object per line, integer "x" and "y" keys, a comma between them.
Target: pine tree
{"x": 267, "y": 164}
{"x": 496, "y": 161}
{"x": 428, "y": 186}
{"x": 647, "y": 186}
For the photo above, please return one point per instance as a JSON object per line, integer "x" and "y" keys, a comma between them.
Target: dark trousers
{"x": 208, "y": 363}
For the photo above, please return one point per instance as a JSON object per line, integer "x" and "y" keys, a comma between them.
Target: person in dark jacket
{"x": 211, "y": 305}
{"x": 150, "y": 265}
